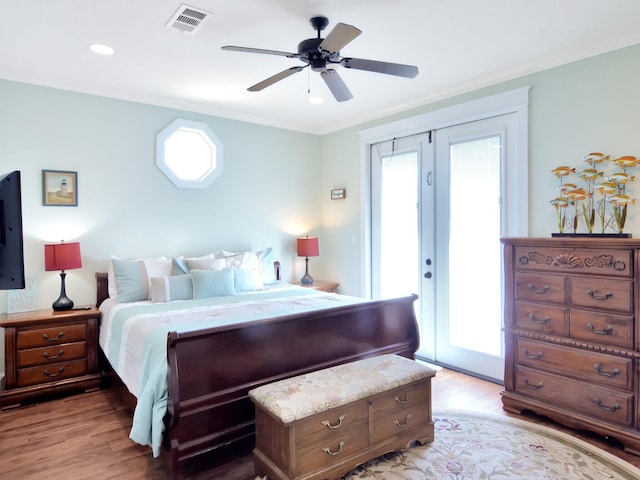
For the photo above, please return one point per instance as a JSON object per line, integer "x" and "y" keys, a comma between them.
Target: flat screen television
{"x": 11, "y": 244}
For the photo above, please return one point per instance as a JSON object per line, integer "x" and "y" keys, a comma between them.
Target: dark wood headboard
{"x": 102, "y": 284}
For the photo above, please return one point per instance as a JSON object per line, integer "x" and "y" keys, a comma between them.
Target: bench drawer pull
{"x": 402, "y": 400}
{"x": 327, "y": 423}
{"x": 328, "y": 451}
{"x": 398, "y": 423}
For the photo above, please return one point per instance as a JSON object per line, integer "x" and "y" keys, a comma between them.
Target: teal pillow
{"x": 179, "y": 265}
{"x": 167, "y": 289}
{"x": 212, "y": 283}
{"x": 131, "y": 280}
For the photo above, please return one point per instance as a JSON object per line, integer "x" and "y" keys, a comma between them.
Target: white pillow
{"x": 265, "y": 263}
{"x": 206, "y": 263}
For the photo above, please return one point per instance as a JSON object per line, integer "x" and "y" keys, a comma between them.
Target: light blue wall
{"x": 266, "y": 196}
{"x": 586, "y": 106}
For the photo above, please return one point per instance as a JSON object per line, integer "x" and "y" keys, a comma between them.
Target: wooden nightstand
{"x": 49, "y": 352}
{"x": 331, "y": 287}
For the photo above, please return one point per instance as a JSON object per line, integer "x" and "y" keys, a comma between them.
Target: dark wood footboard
{"x": 211, "y": 371}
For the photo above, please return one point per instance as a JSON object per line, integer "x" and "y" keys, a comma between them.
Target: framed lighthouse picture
{"x": 59, "y": 188}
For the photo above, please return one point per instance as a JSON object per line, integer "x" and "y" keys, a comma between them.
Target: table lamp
{"x": 62, "y": 256}
{"x": 307, "y": 247}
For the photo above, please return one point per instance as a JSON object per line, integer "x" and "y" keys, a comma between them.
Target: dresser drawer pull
{"x": 53, "y": 357}
{"x": 398, "y": 423}
{"x": 537, "y": 356}
{"x": 604, "y": 407}
{"x": 615, "y": 372}
{"x": 606, "y": 331}
{"x": 533, "y": 387}
{"x": 593, "y": 295}
{"x": 326, "y": 423}
{"x": 51, "y": 375}
{"x": 532, "y": 287}
{"x": 59, "y": 337}
{"x": 533, "y": 318}
{"x": 328, "y": 451}
{"x": 402, "y": 400}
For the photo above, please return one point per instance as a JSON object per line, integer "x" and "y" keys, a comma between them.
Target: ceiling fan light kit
{"x": 320, "y": 53}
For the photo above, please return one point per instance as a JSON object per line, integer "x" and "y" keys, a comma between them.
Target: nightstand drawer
{"x": 51, "y": 354}
{"x": 51, "y": 373}
{"x": 54, "y": 335}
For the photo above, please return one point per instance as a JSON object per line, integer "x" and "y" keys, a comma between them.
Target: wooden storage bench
{"x": 322, "y": 424}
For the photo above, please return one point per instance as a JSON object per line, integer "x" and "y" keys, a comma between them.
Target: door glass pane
{"x": 474, "y": 246}
{"x": 399, "y": 261}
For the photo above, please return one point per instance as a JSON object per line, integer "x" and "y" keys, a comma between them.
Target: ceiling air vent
{"x": 187, "y": 19}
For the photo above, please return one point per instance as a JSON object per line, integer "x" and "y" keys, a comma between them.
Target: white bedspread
{"x": 133, "y": 337}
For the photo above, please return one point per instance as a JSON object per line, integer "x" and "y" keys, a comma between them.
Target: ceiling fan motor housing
{"x": 309, "y": 52}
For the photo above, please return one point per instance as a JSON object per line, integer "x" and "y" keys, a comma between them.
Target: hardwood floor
{"x": 85, "y": 436}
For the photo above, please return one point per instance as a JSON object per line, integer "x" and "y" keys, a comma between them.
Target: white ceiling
{"x": 458, "y": 46}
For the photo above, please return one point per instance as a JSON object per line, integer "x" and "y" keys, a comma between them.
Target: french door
{"x": 437, "y": 217}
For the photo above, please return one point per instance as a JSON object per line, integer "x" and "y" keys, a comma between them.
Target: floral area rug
{"x": 473, "y": 446}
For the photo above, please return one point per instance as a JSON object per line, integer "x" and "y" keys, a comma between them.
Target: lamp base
{"x": 62, "y": 303}
{"x": 306, "y": 280}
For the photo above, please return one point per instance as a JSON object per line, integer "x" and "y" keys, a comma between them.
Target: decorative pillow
{"x": 246, "y": 280}
{"x": 212, "y": 283}
{"x": 265, "y": 263}
{"x": 129, "y": 277}
{"x": 180, "y": 266}
{"x": 206, "y": 263}
{"x": 131, "y": 280}
{"x": 167, "y": 289}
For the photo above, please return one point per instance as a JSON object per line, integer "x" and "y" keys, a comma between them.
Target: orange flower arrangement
{"x": 601, "y": 199}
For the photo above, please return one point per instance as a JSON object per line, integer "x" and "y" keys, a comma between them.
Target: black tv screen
{"x": 11, "y": 248}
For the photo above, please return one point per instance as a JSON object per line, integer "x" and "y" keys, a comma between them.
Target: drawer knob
{"x": 399, "y": 423}
{"x": 59, "y": 337}
{"x": 533, "y": 387}
{"x": 327, "y": 423}
{"x": 604, "y": 407}
{"x": 328, "y": 451}
{"x": 593, "y": 295}
{"x": 51, "y": 375}
{"x": 53, "y": 357}
{"x": 533, "y": 288}
{"x": 606, "y": 331}
{"x": 543, "y": 321}
{"x": 537, "y": 356}
{"x": 614, "y": 373}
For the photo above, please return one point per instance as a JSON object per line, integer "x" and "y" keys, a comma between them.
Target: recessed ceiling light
{"x": 316, "y": 100}
{"x": 101, "y": 49}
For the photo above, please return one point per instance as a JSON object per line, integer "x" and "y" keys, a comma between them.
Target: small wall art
{"x": 59, "y": 188}
{"x": 338, "y": 194}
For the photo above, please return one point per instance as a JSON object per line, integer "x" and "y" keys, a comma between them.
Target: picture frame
{"x": 338, "y": 194}
{"x": 59, "y": 188}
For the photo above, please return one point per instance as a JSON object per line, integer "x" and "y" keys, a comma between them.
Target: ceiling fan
{"x": 320, "y": 53}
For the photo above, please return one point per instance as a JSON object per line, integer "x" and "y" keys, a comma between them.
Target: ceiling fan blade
{"x": 339, "y": 37}
{"x": 336, "y": 85}
{"x": 398, "y": 69}
{"x": 275, "y": 78}
{"x": 260, "y": 50}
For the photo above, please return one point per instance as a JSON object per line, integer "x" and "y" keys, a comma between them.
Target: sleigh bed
{"x": 211, "y": 370}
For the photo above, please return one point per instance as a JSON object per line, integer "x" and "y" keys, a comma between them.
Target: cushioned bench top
{"x": 305, "y": 395}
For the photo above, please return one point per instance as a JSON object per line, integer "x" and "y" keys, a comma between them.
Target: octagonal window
{"x": 189, "y": 154}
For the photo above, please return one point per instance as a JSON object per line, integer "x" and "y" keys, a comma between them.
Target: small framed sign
{"x": 338, "y": 194}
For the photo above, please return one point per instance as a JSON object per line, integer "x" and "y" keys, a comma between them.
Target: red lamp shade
{"x": 62, "y": 256}
{"x": 308, "y": 247}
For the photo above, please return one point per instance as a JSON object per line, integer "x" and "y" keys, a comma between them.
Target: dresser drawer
{"x": 583, "y": 398}
{"x": 597, "y": 261}
{"x": 540, "y": 288}
{"x": 542, "y": 318}
{"x": 601, "y": 327}
{"x": 51, "y": 354}
{"x": 53, "y": 335}
{"x": 591, "y": 366}
{"x": 50, "y": 373}
{"x": 610, "y": 294}
{"x": 326, "y": 438}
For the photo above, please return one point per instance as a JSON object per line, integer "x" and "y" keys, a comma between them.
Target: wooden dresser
{"x": 49, "y": 352}
{"x": 572, "y": 336}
